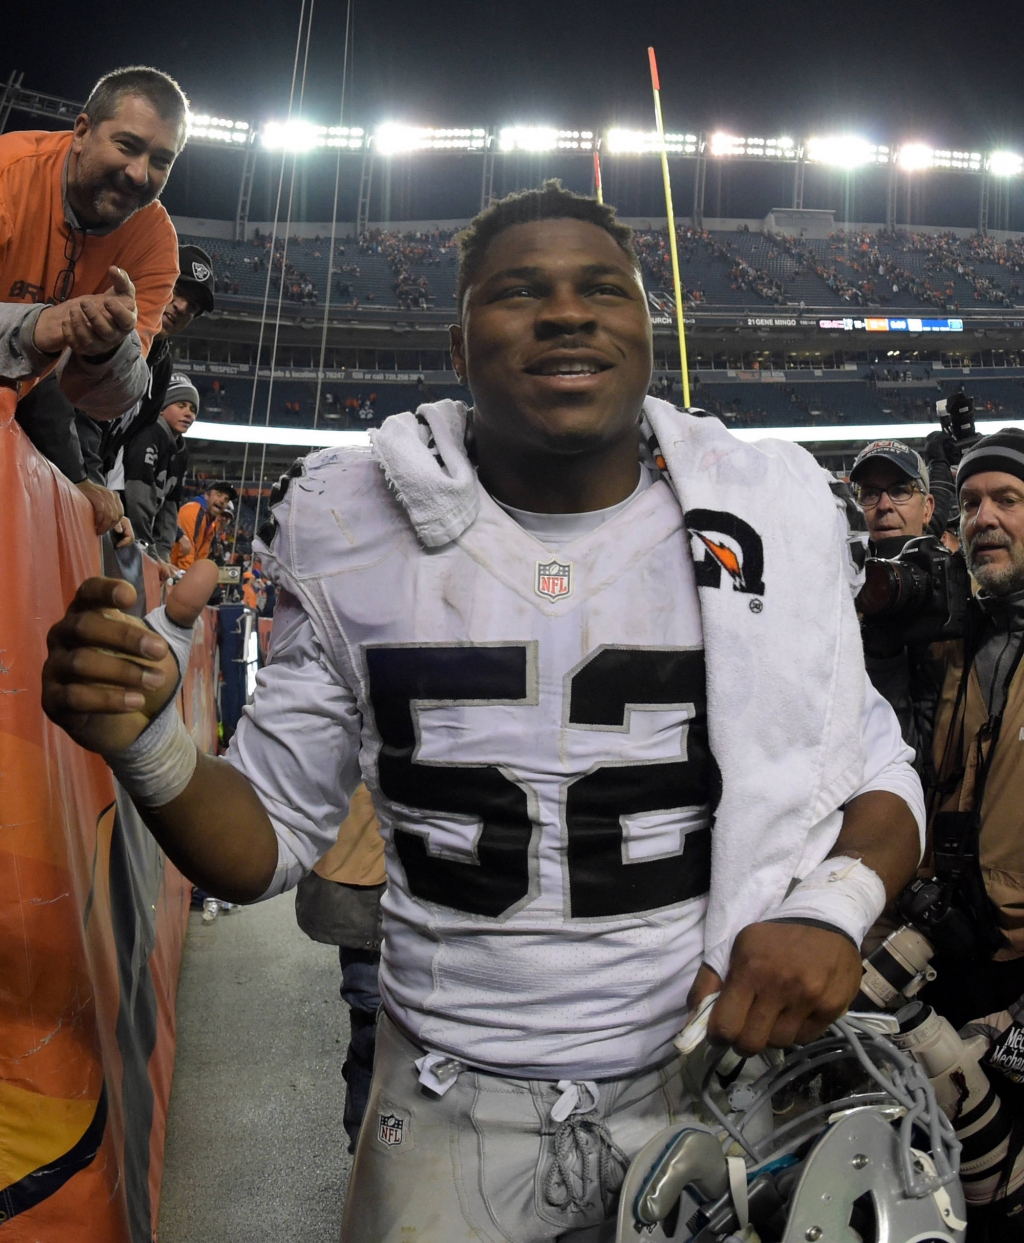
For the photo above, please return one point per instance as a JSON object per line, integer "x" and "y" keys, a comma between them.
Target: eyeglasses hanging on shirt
{"x": 65, "y": 282}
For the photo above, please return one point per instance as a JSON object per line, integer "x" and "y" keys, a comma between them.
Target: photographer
{"x": 976, "y": 833}
{"x": 893, "y": 485}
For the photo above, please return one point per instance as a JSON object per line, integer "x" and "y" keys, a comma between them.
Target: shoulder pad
{"x": 332, "y": 510}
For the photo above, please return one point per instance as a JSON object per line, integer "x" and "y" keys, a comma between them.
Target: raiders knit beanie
{"x": 180, "y": 388}
{"x": 1003, "y": 451}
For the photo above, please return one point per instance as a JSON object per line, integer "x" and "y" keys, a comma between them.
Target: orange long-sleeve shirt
{"x": 194, "y": 519}
{"x": 34, "y": 233}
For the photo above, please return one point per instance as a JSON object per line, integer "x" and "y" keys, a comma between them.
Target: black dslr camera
{"x": 919, "y": 596}
{"x": 957, "y": 423}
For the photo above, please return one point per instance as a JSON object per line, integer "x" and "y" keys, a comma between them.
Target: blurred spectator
{"x": 198, "y": 521}
{"x": 254, "y": 588}
{"x": 155, "y": 460}
{"x": 87, "y": 256}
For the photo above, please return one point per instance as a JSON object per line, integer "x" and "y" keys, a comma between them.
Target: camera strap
{"x": 953, "y": 764}
{"x": 956, "y": 834}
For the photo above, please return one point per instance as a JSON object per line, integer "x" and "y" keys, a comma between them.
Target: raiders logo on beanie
{"x": 181, "y": 388}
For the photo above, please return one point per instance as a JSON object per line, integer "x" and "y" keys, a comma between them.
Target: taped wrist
{"x": 159, "y": 764}
{"x": 841, "y": 893}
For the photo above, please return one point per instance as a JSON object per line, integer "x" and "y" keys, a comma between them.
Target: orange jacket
{"x": 34, "y": 233}
{"x": 195, "y": 521}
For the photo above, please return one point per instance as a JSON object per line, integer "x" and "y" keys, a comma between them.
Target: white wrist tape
{"x": 159, "y": 764}
{"x": 840, "y": 891}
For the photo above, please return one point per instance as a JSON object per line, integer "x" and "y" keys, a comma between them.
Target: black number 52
{"x": 601, "y": 694}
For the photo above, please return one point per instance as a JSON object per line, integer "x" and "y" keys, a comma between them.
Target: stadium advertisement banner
{"x": 340, "y": 375}
{"x": 894, "y": 323}
{"x": 92, "y": 916}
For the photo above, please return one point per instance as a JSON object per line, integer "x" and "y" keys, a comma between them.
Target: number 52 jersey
{"x": 532, "y": 727}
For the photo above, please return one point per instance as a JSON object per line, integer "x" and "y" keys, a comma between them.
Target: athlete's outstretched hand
{"x": 786, "y": 983}
{"x": 107, "y": 674}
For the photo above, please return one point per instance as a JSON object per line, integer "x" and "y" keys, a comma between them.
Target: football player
{"x": 599, "y": 762}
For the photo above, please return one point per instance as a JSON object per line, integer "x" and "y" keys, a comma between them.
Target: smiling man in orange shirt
{"x": 88, "y": 257}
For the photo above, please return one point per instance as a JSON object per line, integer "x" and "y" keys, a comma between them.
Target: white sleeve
{"x": 298, "y": 744}
{"x": 888, "y": 761}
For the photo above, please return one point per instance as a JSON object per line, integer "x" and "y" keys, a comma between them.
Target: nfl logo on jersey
{"x": 554, "y": 579}
{"x": 389, "y": 1129}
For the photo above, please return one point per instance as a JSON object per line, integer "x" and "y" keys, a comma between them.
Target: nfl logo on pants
{"x": 389, "y": 1129}
{"x": 554, "y": 579}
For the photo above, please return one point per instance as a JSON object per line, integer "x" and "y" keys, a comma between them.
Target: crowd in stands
{"x": 656, "y": 261}
{"x": 405, "y": 251}
{"x": 947, "y": 254}
{"x": 414, "y": 271}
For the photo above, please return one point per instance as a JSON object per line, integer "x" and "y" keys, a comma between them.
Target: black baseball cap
{"x": 195, "y": 274}
{"x": 221, "y": 485}
{"x": 908, "y": 460}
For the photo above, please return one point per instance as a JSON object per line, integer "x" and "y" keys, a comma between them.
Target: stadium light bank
{"x": 840, "y": 151}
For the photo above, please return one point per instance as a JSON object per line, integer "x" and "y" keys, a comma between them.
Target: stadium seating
{"x": 240, "y": 269}
{"x": 894, "y": 270}
{"x": 293, "y": 402}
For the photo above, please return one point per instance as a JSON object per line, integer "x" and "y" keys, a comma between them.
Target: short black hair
{"x": 551, "y": 202}
{"x": 153, "y": 85}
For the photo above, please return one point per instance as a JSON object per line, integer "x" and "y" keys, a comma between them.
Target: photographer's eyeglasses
{"x": 898, "y": 493}
{"x": 65, "y": 281}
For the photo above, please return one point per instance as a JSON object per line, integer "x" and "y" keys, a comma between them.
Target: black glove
{"x": 939, "y": 446}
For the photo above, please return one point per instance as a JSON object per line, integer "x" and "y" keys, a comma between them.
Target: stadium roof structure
{"x": 298, "y": 136}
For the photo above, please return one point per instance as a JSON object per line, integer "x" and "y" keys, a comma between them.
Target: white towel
{"x": 425, "y": 460}
{"x": 785, "y": 666}
{"x": 785, "y": 670}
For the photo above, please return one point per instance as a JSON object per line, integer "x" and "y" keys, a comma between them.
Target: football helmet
{"x": 841, "y": 1140}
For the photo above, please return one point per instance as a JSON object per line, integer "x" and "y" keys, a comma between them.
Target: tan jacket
{"x": 357, "y": 857}
{"x": 1002, "y": 812}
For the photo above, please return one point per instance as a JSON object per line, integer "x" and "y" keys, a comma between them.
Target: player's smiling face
{"x": 555, "y": 341}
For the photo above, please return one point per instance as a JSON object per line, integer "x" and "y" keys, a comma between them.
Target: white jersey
{"x": 531, "y": 724}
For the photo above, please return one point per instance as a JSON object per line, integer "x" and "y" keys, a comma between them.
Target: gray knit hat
{"x": 180, "y": 388}
{"x": 1003, "y": 451}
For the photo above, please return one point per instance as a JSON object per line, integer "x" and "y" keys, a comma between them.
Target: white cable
{"x": 738, "y": 1189}
{"x": 270, "y": 269}
{"x": 334, "y": 222}
{"x": 280, "y": 289}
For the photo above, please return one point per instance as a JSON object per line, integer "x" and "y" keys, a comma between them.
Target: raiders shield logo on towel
{"x": 554, "y": 579}
{"x": 389, "y": 1129}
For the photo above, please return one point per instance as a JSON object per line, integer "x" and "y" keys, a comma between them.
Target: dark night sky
{"x": 900, "y": 70}
{"x": 938, "y": 72}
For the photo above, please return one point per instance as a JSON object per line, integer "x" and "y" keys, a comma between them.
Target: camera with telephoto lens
{"x": 956, "y": 417}
{"x": 918, "y": 596}
{"x": 901, "y": 966}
